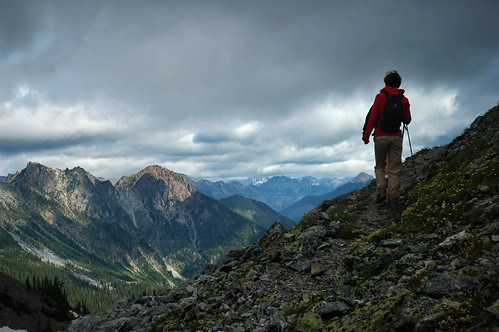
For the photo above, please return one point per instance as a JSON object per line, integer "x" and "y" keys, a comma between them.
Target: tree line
{"x": 64, "y": 287}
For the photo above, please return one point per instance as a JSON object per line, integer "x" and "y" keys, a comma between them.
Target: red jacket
{"x": 377, "y": 112}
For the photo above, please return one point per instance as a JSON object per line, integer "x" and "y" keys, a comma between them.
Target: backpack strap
{"x": 388, "y": 95}
{"x": 376, "y": 125}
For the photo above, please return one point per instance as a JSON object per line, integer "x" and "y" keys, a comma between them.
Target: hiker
{"x": 390, "y": 108}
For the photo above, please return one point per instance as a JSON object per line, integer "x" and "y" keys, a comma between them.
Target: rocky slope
{"x": 431, "y": 263}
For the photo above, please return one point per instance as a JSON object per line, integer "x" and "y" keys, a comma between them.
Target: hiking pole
{"x": 406, "y": 128}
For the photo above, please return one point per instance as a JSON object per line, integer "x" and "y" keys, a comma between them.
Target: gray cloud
{"x": 233, "y": 88}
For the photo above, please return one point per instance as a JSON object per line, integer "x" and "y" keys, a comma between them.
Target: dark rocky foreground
{"x": 41, "y": 308}
{"x": 430, "y": 263}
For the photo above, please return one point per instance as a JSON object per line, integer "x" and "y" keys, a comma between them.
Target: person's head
{"x": 392, "y": 79}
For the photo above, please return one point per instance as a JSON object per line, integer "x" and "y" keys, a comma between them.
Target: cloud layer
{"x": 223, "y": 89}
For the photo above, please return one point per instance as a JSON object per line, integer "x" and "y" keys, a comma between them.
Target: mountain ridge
{"x": 278, "y": 192}
{"x": 296, "y": 210}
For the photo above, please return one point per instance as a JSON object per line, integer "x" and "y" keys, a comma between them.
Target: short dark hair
{"x": 393, "y": 79}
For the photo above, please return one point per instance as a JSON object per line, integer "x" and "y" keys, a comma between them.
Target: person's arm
{"x": 377, "y": 107}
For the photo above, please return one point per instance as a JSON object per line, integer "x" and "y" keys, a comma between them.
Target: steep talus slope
{"x": 430, "y": 263}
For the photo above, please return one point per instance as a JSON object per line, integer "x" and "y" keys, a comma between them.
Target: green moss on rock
{"x": 309, "y": 321}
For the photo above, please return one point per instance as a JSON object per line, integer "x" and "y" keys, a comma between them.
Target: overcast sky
{"x": 232, "y": 89}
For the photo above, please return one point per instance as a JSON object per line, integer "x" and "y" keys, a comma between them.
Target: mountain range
{"x": 429, "y": 263}
{"x": 278, "y": 192}
{"x": 290, "y": 197}
{"x": 150, "y": 228}
{"x": 296, "y": 210}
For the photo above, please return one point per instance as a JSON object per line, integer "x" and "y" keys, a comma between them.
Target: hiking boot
{"x": 393, "y": 200}
{"x": 379, "y": 199}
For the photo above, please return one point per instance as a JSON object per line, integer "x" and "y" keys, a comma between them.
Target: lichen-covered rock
{"x": 333, "y": 310}
{"x": 447, "y": 283}
{"x": 431, "y": 322}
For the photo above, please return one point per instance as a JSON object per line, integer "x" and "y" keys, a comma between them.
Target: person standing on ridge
{"x": 390, "y": 108}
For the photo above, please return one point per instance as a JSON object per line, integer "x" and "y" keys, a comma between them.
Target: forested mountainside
{"x": 431, "y": 263}
{"x": 36, "y": 305}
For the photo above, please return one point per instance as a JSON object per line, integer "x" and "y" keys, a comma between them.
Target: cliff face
{"x": 431, "y": 263}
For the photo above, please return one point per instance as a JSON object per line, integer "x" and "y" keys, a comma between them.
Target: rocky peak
{"x": 40, "y": 179}
{"x": 154, "y": 171}
{"x": 165, "y": 185}
{"x": 35, "y": 174}
{"x": 75, "y": 188}
{"x": 362, "y": 177}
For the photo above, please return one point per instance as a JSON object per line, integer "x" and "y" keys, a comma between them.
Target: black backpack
{"x": 392, "y": 114}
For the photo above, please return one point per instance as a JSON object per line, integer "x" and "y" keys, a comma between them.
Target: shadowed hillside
{"x": 37, "y": 305}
